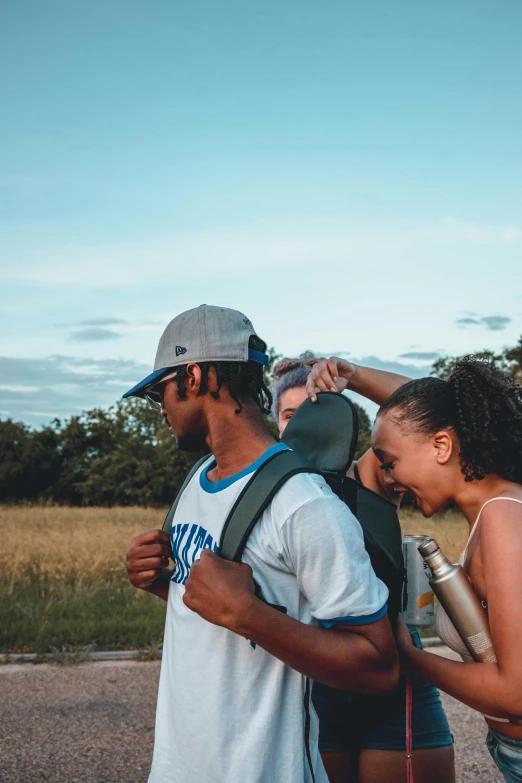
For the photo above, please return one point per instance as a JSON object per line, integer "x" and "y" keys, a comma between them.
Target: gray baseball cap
{"x": 204, "y": 334}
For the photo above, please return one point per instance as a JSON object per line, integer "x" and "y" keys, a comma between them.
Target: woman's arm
{"x": 336, "y": 374}
{"x": 478, "y": 685}
{"x": 362, "y": 658}
{"x": 493, "y": 688}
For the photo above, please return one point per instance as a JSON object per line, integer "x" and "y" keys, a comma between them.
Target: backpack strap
{"x": 167, "y": 525}
{"x": 307, "y": 699}
{"x": 255, "y": 497}
{"x": 349, "y": 493}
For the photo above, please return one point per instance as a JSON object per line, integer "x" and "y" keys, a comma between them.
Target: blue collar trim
{"x": 217, "y": 486}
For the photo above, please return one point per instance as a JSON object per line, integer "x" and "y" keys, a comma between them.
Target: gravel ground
{"x": 94, "y": 723}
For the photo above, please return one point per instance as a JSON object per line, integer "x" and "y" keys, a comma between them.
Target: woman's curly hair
{"x": 483, "y": 406}
{"x": 290, "y": 374}
{"x": 243, "y": 379}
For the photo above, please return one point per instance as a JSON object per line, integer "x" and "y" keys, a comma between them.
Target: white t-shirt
{"x": 228, "y": 711}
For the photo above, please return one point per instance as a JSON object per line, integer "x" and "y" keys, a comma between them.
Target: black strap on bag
{"x": 254, "y": 499}
{"x": 307, "y": 698}
{"x": 167, "y": 525}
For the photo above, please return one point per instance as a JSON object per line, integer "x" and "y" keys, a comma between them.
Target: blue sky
{"x": 349, "y": 175}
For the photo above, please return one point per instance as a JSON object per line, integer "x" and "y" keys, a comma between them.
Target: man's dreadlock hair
{"x": 243, "y": 379}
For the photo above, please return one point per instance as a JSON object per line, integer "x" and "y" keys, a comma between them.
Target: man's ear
{"x": 443, "y": 446}
{"x": 193, "y": 378}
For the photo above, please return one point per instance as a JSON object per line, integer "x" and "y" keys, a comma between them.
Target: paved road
{"x": 94, "y": 723}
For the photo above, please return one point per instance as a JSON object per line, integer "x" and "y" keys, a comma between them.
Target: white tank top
{"x": 445, "y": 628}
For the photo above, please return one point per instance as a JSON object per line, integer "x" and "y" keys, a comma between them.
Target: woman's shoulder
{"x": 501, "y": 518}
{"x": 507, "y": 501}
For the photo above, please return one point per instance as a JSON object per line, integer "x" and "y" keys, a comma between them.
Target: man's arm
{"x": 359, "y": 658}
{"x": 147, "y": 563}
{"x": 355, "y": 658}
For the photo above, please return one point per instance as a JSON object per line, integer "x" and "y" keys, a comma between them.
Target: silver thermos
{"x": 451, "y": 585}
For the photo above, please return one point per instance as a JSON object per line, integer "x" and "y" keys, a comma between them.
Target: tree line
{"x": 125, "y": 455}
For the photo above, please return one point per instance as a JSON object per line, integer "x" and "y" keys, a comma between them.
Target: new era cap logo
{"x": 180, "y": 350}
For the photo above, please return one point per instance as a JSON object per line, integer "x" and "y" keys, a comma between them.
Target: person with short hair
{"x": 458, "y": 441}
{"x": 363, "y": 737}
{"x": 233, "y": 699}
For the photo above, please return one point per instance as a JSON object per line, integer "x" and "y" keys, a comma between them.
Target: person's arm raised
{"x": 147, "y": 563}
{"x": 361, "y": 658}
{"x": 335, "y": 374}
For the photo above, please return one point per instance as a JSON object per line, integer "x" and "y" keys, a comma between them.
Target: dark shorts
{"x": 507, "y": 755}
{"x": 353, "y": 720}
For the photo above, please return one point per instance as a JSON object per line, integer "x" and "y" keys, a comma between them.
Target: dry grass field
{"x": 450, "y": 529}
{"x": 63, "y": 584}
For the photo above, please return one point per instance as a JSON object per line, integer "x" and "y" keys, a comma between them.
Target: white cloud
{"x": 59, "y": 386}
{"x": 453, "y": 230}
{"x": 493, "y": 323}
{"x": 37, "y": 390}
{"x": 218, "y": 254}
{"x": 99, "y": 322}
{"x": 93, "y": 334}
{"x": 420, "y": 356}
{"x": 496, "y": 323}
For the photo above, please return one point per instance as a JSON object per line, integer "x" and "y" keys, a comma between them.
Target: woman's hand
{"x": 331, "y": 374}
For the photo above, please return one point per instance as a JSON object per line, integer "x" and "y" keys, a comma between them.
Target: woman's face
{"x": 289, "y": 401}
{"x": 415, "y": 462}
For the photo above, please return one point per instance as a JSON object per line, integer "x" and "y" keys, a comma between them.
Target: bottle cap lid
{"x": 428, "y": 547}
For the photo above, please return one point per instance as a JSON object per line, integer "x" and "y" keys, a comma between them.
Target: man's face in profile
{"x": 184, "y": 417}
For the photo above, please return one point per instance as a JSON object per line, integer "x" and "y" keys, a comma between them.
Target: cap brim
{"x": 154, "y": 377}
{"x": 258, "y": 356}
{"x": 141, "y": 387}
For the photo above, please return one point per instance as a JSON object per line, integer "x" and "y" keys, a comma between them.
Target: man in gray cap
{"x": 233, "y": 706}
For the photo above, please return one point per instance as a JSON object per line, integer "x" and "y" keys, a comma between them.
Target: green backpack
{"x": 322, "y": 437}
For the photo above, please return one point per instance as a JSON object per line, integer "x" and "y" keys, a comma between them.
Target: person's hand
{"x": 333, "y": 374}
{"x": 218, "y": 590}
{"x": 147, "y": 557}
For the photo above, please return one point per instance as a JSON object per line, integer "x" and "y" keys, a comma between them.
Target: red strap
{"x": 409, "y": 764}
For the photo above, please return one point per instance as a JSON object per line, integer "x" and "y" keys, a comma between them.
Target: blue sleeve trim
{"x": 363, "y": 619}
